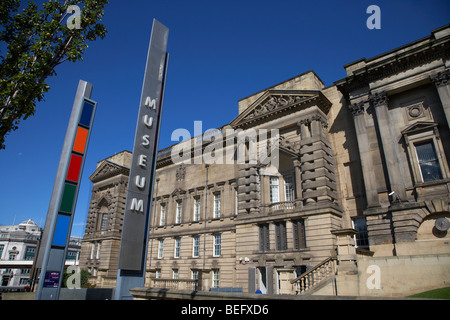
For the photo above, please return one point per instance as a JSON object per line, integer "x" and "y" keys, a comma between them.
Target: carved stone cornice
{"x": 107, "y": 170}
{"x": 274, "y": 102}
{"x": 441, "y": 78}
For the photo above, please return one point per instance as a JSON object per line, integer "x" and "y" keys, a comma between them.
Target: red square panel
{"x": 74, "y": 168}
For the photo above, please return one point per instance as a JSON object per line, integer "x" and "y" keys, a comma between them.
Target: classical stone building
{"x": 358, "y": 180}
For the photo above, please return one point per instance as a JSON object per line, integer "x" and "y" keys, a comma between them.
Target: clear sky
{"x": 220, "y": 52}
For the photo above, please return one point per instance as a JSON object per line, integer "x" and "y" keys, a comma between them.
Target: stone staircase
{"x": 315, "y": 278}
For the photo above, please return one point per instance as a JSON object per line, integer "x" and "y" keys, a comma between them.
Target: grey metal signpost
{"x": 133, "y": 245}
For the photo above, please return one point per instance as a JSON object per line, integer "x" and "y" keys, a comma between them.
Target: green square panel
{"x": 68, "y": 198}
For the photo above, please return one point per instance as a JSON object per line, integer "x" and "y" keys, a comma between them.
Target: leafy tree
{"x": 37, "y": 40}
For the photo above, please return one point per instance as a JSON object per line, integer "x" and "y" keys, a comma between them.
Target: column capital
{"x": 378, "y": 99}
{"x": 305, "y": 121}
{"x": 441, "y": 78}
{"x": 357, "y": 108}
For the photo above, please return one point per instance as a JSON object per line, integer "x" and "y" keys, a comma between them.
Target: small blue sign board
{"x": 51, "y": 279}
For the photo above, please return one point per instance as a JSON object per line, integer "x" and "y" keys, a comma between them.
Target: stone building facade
{"x": 359, "y": 170}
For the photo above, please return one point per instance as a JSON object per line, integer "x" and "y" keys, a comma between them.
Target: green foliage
{"x": 37, "y": 40}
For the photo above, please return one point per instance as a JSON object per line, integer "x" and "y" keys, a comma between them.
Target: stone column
{"x": 370, "y": 183}
{"x": 298, "y": 179}
{"x": 441, "y": 80}
{"x": 390, "y": 143}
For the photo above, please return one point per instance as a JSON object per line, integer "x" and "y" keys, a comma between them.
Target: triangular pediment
{"x": 178, "y": 192}
{"x": 419, "y": 126}
{"x": 108, "y": 169}
{"x": 278, "y": 101}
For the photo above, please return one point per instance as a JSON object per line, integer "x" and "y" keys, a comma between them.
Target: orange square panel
{"x": 80, "y": 140}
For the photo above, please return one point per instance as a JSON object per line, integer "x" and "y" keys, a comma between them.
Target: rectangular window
{"x": 93, "y": 250}
{"x": 99, "y": 246}
{"x": 195, "y": 246}
{"x": 160, "y": 248}
{"x": 29, "y": 253}
{"x": 264, "y": 242}
{"x": 176, "y": 253}
{"x": 288, "y": 188}
{"x": 299, "y": 234}
{"x": 280, "y": 235}
{"x": 162, "y": 216}
{"x": 179, "y": 211}
{"x": 197, "y": 209}
{"x": 158, "y": 273}
{"x": 217, "y": 245}
{"x": 428, "y": 161}
{"x": 104, "y": 222}
{"x": 274, "y": 190}
{"x": 194, "y": 274}
{"x": 216, "y": 279}
{"x": 362, "y": 238}
{"x": 216, "y": 205}
{"x": 175, "y": 273}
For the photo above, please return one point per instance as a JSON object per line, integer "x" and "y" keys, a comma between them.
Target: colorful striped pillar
{"x": 58, "y": 225}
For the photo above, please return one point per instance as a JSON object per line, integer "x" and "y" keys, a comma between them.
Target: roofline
{"x": 290, "y": 79}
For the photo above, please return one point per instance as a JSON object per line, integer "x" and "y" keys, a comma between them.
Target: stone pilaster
{"x": 442, "y": 83}
{"x": 298, "y": 179}
{"x": 390, "y": 143}
{"x": 358, "y": 110}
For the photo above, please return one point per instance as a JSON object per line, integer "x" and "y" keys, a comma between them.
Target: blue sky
{"x": 220, "y": 52}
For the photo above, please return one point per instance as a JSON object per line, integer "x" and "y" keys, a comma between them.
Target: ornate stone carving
{"x": 273, "y": 103}
{"x": 441, "y": 78}
{"x": 321, "y": 119}
{"x": 305, "y": 121}
{"x": 108, "y": 170}
{"x": 181, "y": 172}
{"x": 378, "y": 99}
{"x": 357, "y": 108}
{"x": 415, "y": 111}
{"x": 283, "y": 142}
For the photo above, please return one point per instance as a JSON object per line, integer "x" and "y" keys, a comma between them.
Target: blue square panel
{"x": 61, "y": 230}
{"x": 86, "y": 114}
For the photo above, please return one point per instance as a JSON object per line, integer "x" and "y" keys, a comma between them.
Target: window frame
{"x": 197, "y": 209}
{"x": 299, "y": 234}
{"x": 179, "y": 211}
{"x": 162, "y": 214}
{"x": 160, "y": 248}
{"x": 422, "y": 132}
{"x": 280, "y": 236}
{"x": 264, "y": 237}
{"x": 177, "y": 248}
{"x": 272, "y": 188}
{"x": 217, "y": 247}
{"x": 291, "y": 189}
{"x": 217, "y": 204}
{"x": 420, "y": 162}
{"x": 195, "y": 247}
